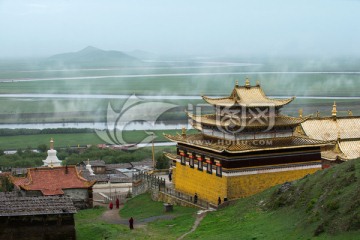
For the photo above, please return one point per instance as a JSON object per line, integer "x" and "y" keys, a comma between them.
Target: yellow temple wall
{"x": 243, "y": 186}
{"x": 208, "y": 187}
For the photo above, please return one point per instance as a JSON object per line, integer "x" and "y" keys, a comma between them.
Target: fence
{"x": 104, "y": 198}
{"x": 188, "y": 198}
{"x": 142, "y": 182}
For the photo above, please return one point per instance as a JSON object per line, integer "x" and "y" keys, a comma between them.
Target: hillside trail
{"x": 112, "y": 216}
{"x": 199, "y": 217}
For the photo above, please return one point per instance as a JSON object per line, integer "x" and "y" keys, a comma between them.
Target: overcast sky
{"x": 200, "y": 27}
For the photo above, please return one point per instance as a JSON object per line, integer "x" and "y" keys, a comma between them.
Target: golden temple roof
{"x": 249, "y": 96}
{"x": 330, "y": 129}
{"x": 279, "y": 121}
{"x": 342, "y": 150}
{"x": 241, "y": 146}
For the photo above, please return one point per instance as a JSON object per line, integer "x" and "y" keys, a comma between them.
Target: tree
{"x": 162, "y": 162}
{"x": 5, "y": 184}
{"x": 42, "y": 148}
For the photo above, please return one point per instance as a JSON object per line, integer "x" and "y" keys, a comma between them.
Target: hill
{"x": 91, "y": 56}
{"x": 325, "y": 205}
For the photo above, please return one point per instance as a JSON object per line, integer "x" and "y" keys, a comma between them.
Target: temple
{"x": 244, "y": 147}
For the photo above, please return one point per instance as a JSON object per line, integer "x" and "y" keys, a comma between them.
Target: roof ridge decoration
{"x": 334, "y": 111}
{"x": 247, "y": 96}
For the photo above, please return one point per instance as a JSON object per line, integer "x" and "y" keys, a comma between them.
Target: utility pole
{"x": 153, "y": 150}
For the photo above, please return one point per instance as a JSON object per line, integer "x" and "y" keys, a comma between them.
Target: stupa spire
{"x": 334, "y": 111}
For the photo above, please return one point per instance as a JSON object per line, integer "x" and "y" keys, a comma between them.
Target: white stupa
{"x": 88, "y": 167}
{"x": 52, "y": 160}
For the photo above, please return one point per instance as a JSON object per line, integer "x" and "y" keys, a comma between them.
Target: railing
{"x": 188, "y": 198}
{"x": 104, "y": 198}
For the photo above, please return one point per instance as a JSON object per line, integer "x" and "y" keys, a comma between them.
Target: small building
{"x": 34, "y": 218}
{"x": 98, "y": 166}
{"x": 56, "y": 181}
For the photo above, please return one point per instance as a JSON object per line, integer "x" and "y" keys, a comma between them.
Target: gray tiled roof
{"x": 11, "y": 205}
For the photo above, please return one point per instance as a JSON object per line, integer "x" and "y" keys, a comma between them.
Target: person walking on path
{"x": 219, "y": 201}
{"x": 117, "y": 203}
{"x": 111, "y": 205}
{"x": 195, "y": 198}
{"x": 170, "y": 176}
{"x": 131, "y": 223}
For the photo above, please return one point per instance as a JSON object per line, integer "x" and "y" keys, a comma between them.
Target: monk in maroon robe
{"x": 131, "y": 223}
{"x": 117, "y": 203}
{"x": 111, "y": 205}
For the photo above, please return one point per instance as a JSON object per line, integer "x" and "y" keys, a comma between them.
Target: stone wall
{"x": 80, "y": 197}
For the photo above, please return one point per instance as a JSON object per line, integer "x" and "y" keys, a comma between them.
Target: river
{"x": 98, "y": 125}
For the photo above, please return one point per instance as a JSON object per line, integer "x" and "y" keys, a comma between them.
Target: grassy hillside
{"x": 325, "y": 205}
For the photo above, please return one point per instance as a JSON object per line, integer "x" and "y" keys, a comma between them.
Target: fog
{"x": 40, "y": 28}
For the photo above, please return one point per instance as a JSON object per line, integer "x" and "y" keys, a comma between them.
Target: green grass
{"x": 327, "y": 199}
{"x": 90, "y": 226}
{"x": 75, "y": 139}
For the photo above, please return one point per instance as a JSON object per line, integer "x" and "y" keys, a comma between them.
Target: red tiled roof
{"x": 52, "y": 181}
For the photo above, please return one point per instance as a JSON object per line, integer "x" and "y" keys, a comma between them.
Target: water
{"x": 98, "y": 125}
{"x": 148, "y": 97}
{"x": 165, "y": 75}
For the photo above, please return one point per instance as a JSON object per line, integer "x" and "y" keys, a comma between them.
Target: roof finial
{"x": 183, "y": 132}
{"x": 236, "y": 83}
{"x": 338, "y": 136}
{"x": 257, "y": 83}
{"x": 247, "y": 82}
{"x": 350, "y": 113}
{"x": 334, "y": 111}
{"x": 300, "y": 112}
{"x": 317, "y": 113}
{"x": 51, "y": 144}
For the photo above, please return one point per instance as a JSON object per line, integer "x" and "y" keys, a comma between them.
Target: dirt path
{"x": 112, "y": 216}
{"x": 199, "y": 218}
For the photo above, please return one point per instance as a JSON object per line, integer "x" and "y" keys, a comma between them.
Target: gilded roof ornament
{"x": 247, "y": 82}
{"x": 334, "y": 111}
{"x": 183, "y": 132}
{"x": 236, "y": 83}
{"x": 301, "y": 112}
{"x": 51, "y": 144}
{"x": 350, "y": 113}
{"x": 257, "y": 83}
{"x": 317, "y": 114}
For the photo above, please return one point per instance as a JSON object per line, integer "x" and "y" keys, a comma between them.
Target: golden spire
{"x": 334, "y": 111}
{"x": 183, "y": 132}
{"x": 257, "y": 83}
{"x": 317, "y": 114}
{"x": 350, "y": 113}
{"x": 247, "y": 82}
{"x": 236, "y": 83}
{"x": 51, "y": 144}
{"x": 300, "y": 112}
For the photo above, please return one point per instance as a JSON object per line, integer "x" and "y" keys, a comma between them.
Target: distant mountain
{"x": 93, "y": 57}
